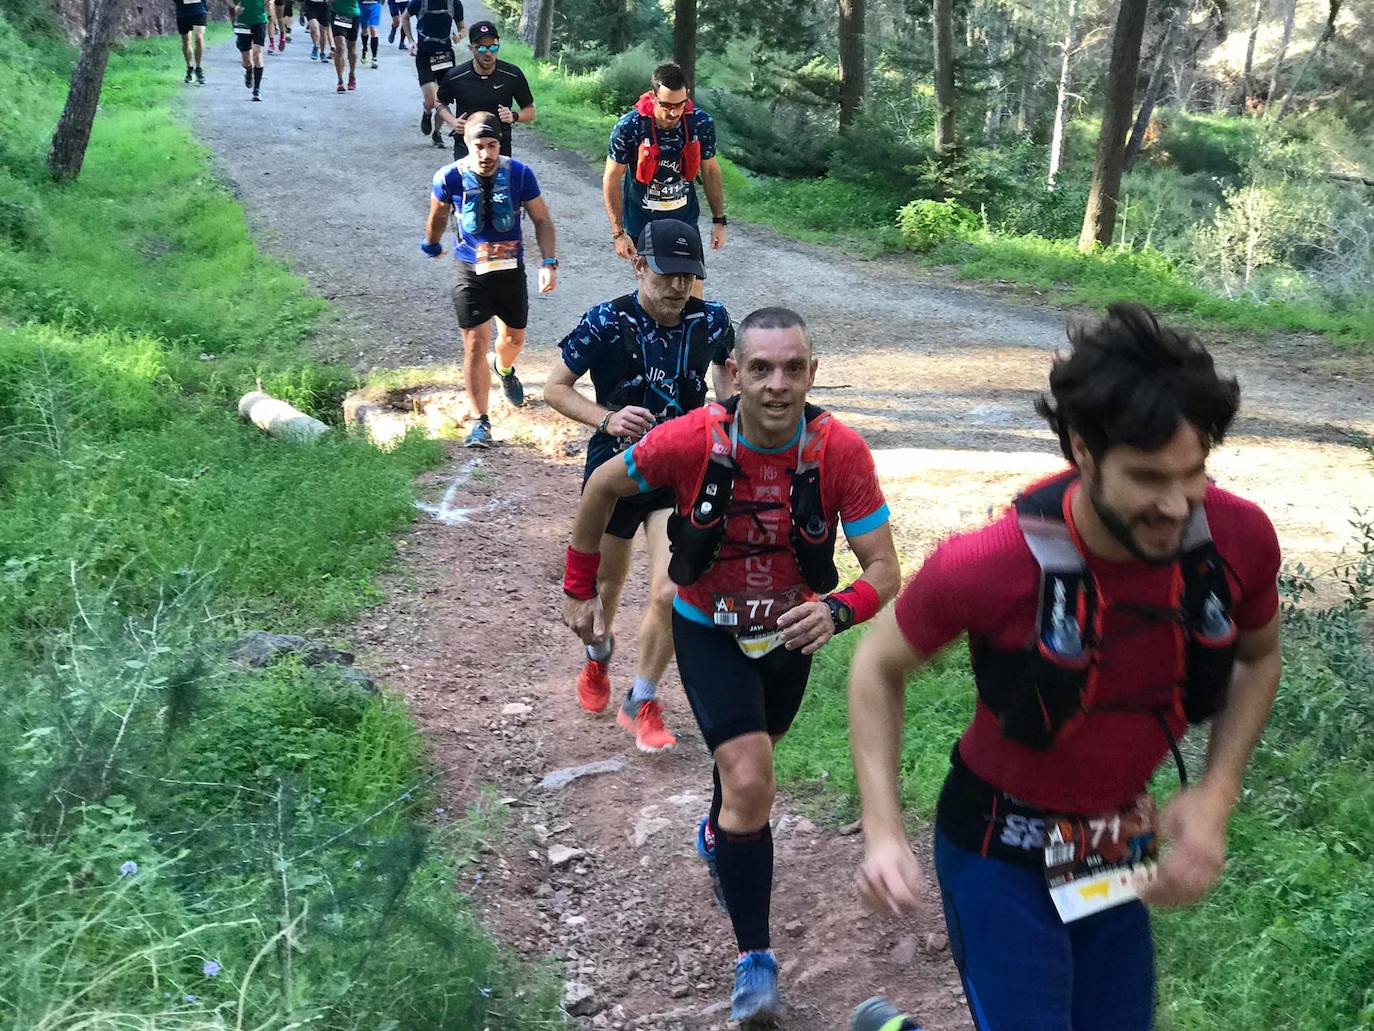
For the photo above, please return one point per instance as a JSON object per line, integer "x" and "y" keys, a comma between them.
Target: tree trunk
{"x": 1283, "y": 52}
{"x": 73, "y": 130}
{"x": 1247, "y": 89}
{"x": 1100, "y": 217}
{"x": 1333, "y": 11}
{"x": 942, "y": 16}
{"x": 1061, "y": 103}
{"x": 851, "y": 60}
{"x": 1152, "y": 91}
{"x": 1023, "y": 103}
{"x": 543, "y": 30}
{"x": 685, "y": 38}
{"x": 528, "y": 27}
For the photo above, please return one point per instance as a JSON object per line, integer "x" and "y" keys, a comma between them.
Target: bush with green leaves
{"x": 925, "y": 224}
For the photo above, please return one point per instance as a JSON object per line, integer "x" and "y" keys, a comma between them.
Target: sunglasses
{"x": 671, "y": 108}
{"x": 489, "y": 48}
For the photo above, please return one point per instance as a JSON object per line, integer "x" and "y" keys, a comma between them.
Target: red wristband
{"x": 579, "y": 574}
{"x": 862, "y": 597}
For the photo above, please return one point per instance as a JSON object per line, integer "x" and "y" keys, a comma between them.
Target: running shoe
{"x": 707, "y": 853}
{"x": 255, "y": 96}
{"x": 248, "y": 78}
{"x": 352, "y": 82}
{"x": 314, "y": 52}
{"x": 755, "y": 1001}
{"x": 427, "y": 122}
{"x": 593, "y": 686}
{"x": 392, "y": 38}
{"x": 200, "y": 77}
{"x": 271, "y": 45}
{"x": 437, "y": 139}
{"x": 374, "y": 62}
{"x": 510, "y": 384}
{"x": 480, "y": 434}
{"x": 340, "y": 87}
{"x": 647, "y": 726}
{"x": 877, "y": 1014}
{"x": 404, "y": 48}
{"x": 189, "y": 74}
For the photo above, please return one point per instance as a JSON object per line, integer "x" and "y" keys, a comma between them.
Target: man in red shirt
{"x": 1108, "y": 608}
{"x": 759, "y": 484}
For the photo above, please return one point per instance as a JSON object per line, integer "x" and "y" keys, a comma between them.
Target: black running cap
{"x": 481, "y": 30}
{"x": 672, "y": 247}
{"x": 482, "y": 126}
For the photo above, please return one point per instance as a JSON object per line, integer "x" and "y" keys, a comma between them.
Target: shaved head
{"x": 770, "y": 318}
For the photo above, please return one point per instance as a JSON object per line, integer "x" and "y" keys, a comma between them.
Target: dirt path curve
{"x": 940, "y": 379}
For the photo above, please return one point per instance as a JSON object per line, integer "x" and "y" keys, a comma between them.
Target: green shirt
{"x": 348, "y": 8}
{"x": 252, "y": 12}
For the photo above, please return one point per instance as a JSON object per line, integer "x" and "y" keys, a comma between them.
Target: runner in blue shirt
{"x": 488, "y": 192}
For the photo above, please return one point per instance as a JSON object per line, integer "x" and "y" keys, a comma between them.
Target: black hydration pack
{"x": 434, "y": 26}
{"x": 688, "y": 378}
{"x": 698, "y": 537}
{"x": 1041, "y": 693}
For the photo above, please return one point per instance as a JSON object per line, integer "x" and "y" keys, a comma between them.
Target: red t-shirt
{"x": 986, "y": 583}
{"x": 674, "y": 454}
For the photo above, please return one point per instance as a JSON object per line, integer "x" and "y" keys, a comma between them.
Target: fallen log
{"x": 278, "y": 418}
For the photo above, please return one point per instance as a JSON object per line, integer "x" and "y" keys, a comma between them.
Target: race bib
{"x": 438, "y": 62}
{"x": 340, "y": 23}
{"x": 665, "y": 204}
{"x": 497, "y": 256}
{"x": 759, "y": 645}
{"x": 753, "y": 612}
{"x": 666, "y": 196}
{"x": 242, "y": 30}
{"x": 1095, "y": 863}
{"x": 190, "y": 3}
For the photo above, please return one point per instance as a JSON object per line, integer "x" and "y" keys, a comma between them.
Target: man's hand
{"x": 806, "y": 626}
{"x": 460, "y": 124}
{"x": 548, "y": 278}
{"x": 624, "y": 247}
{"x": 630, "y": 421}
{"x": 1193, "y": 825}
{"x": 890, "y": 879}
{"x": 505, "y": 114}
{"x": 585, "y": 618}
{"x": 717, "y": 236}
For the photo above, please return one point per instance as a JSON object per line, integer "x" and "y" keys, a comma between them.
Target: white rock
{"x": 646, "y": 827}
{"x": 561, "y": 854}
{"x": 578, "y": 999}
{"x": 515, "y": 709}
{"x": 562, "y": 778}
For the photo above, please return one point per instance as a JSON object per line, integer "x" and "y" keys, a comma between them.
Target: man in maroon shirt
{"x": 1108, "y": 608}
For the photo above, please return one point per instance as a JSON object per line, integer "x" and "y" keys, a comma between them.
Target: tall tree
{"x": 1153, "y": 89}
{"x": 851, "y": 60}
{"x": 942, "y": 18}
{"x": 685, "y": 38}
{"x": 1333, "y": 12}
{"x": 1247, "y": 89}
{"x": 1099, "y": 219}
{"x": 1061, "y": 100}
{"x": 73, "y": 131}
{"x": 543, "y": 30}
{"x": 1273, "y": 90}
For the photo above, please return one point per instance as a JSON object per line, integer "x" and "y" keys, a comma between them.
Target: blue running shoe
{"x": 480, "y": 434}
{"x": 314, "y": 53}
{"x": 510, "y": 383}
{"x": 755, "y": 1002}
{"x": 708, "y": 856}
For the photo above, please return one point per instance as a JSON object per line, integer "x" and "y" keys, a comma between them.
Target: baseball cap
{"x": 482, "y": 29}
{"x": 672, "y": 247}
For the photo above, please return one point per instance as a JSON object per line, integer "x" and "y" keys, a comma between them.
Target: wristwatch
{"x": 618, "y": 234}
{"x": 840, "y": 613}
{"x": 551, "y": 263}
{"x": 719, "y": 220}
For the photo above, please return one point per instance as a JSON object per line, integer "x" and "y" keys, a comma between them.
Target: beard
{"x": 1120, "y": 529}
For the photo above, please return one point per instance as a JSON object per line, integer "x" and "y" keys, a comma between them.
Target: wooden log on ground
{"x": 278, "y": 418}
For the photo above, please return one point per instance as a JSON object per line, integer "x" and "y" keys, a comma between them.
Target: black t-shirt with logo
{"x": 469, "y": 92}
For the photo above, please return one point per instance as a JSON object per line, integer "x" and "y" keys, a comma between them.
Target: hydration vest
{"x": 696, "y": 538}
{"x": 435, "y": 23}
{"x": 689, "y": 378}
{"x": 486, "y": 200}
{"x": 646, "y": 162}
{"x": 1041, "y": 693}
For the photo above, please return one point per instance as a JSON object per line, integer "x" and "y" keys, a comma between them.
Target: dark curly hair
{"x": 1128, "y": 380}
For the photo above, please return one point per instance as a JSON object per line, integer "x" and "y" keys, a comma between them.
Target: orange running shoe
{"x": 647, "y": 727}
{"x": 594, "y": 686}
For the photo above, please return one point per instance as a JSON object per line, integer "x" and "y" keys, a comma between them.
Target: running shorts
{"x": 284, "y": 6}
{"x": 424, "y": 65}
{"x": 633, "y": 512}
{"x": 187, "y": 22}
{"x": 247, "y": 36}
{"x": 731, "y": 694}
{"x": 372, "y": 14}
{"x": 316, "y": 11}
{"x": 1023, "y": 968}
{"x": 344, "y": 27}
{"x": 504, "y": 294}
{"x": 396, "y": 9}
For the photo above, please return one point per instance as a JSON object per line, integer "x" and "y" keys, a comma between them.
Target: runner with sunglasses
{"x": 670, "y": 143}
{"x": 485, "y": 83}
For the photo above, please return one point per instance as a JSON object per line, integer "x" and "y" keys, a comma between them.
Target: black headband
{"x": 482, "y": 129}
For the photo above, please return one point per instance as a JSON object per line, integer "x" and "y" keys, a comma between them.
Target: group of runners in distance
{"x": 1106, "y": 609}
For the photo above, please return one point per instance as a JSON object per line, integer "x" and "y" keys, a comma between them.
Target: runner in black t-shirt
{"x": 438, "y": 24}
{"x": 485, "y": 84}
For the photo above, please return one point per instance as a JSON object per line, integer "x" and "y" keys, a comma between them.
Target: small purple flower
{"x": 477, "y": 878}
{"x": 128, "y": 868}
{"x": 211, "y": 968}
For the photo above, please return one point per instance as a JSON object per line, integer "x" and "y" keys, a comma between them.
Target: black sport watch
{"x": 840, "y": 613}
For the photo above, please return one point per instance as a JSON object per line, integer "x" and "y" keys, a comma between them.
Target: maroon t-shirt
{"x": 986, "y": 583}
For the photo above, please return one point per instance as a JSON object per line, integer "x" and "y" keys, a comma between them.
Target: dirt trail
{"x": 939, "y": 378}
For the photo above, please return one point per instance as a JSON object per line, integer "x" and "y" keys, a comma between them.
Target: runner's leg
{"x": 1113, "y": 970}
{"x": 199, "y": 49}
{"x": 476, "y": 371}
{"x": 509, "y": 344}
{"x": 654, "y": 645}
{"x": 191, "y": 60}
{"x": 612, "y": 573}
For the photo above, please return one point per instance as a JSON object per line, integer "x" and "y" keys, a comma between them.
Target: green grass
{"x": 161, "y": 810}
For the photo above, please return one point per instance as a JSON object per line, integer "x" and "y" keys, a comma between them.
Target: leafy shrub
{"x": 1213, "y": 144}
{"x": 925, "y": 224}
{"x": 780, "y": 139}
{"x": 616, "y": 86}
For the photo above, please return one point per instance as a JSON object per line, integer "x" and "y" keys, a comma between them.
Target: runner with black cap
{"x": 649, "y": 355}
{"x": 489, "y": 192}
{"x": 485, "y": 83}
{"x": 760, "y": 484}
{"x": 438, "y": 27}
